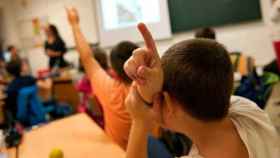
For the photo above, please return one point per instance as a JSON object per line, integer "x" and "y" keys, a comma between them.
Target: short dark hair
{"x": 207, "y": 32}
{"x": 100, "y": 55}
{"x": 14, "y": 68}
{"x": 198, "y": 74}
{"x": 55, "y": 32}
{"x": 119, "y": 54}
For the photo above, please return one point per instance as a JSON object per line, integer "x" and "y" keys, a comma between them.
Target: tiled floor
{"x": 273, "y": 107}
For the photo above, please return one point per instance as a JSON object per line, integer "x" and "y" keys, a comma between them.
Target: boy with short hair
{"x": 14, "y": 53}
{"x": 206, "y": 32}
{"x": 110, "y": 92}
{"x": 189, "y": 90}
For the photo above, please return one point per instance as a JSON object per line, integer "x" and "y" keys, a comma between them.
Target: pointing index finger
{"x": 148, "y": 39}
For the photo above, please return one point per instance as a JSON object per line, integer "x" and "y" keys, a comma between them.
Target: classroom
{"x": 139, "y": 78}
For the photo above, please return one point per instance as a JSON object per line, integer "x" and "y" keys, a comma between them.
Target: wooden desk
{"x": 11, "y": 152}
{"x": 64, "y": 91}
{"x": 77, "y": 136}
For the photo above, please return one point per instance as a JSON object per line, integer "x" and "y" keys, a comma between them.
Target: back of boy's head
{"x": 14, "y": 68}
{"x": 100, "y": 55}
{"x": 208, "y": 33}
{"x": 198, "y": 75}
{"x": 119, "y": 55}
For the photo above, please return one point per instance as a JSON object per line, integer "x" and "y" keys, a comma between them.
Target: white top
{"x": 255, "y": 130}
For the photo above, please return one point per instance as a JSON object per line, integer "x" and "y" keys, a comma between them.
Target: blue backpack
{"x": 257, "y": 88}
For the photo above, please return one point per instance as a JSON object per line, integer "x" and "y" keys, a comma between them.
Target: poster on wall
{"x": 38, "y": 27}
{"x": 31, "y": 32}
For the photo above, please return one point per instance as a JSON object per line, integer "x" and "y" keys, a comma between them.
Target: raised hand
{"x": 73, "y": 16}
{"x": 144, "y": 67}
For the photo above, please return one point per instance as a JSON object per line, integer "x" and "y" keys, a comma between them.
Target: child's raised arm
{"x": 144, "y": 67}
{"x": 89, "y": 63}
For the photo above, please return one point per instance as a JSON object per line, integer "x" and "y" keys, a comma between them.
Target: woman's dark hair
{"x": 55, "y": 32}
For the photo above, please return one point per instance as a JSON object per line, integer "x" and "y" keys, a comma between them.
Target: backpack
{"x": 257, "y": 87}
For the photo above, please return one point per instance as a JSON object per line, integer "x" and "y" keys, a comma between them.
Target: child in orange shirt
{"x": 110, "y": 92}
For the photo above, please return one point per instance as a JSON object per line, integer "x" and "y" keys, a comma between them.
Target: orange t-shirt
{"x": 112, "y": 94}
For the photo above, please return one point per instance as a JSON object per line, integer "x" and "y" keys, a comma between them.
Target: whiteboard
{"x": 117, "y": 20}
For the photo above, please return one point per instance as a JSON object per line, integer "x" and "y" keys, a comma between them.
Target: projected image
{"x": 128, "y": 12}
{"x": 124, "y": 13}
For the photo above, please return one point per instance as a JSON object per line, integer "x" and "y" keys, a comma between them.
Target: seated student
{"x": 13, "y": 53}
{"x": 110, "y": 92}
{"x": 19, "y": 81}
{"x": 84, "y": 87}
{"x": 189, "y": 91}
{"x": 206, "y": 32}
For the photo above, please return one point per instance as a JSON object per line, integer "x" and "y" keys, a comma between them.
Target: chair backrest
{"x": 157, "y": 149}
{"x": 30, "y": 109}
{"x": 241, "y": 63}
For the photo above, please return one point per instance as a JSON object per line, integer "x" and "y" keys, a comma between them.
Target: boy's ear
{"x": 169, "y": 108}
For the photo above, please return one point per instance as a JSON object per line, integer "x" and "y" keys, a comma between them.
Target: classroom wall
{"x": 9, "y": 23}
{"x": 53, "y": 11}
{"x": 250, "y": 38}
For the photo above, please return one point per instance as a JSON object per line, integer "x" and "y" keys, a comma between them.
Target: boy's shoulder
{"x": 254, "y": 127}
{"x": 244, "y": 107}
{"x": 244, "y": 110}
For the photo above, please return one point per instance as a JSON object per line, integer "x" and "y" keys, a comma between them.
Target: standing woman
{"x": 55, "y": 48}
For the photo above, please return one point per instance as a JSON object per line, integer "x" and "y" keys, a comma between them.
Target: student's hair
{"x": 14, "y": 68}
{"x": 198, "y": 75}
{"x": 10, "y": 48}
{"x": 100, "y": 55}
{"x": 119, "y": 54}
{"x": 55, "y": 32}
{"x": 207, "y": 32}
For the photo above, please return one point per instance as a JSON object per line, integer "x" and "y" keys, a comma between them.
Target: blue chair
{"x": 156, "y": 149}
{"x": 30, "y": 110}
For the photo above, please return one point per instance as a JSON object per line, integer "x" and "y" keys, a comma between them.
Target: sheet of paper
{"x": 3, "y": 155}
